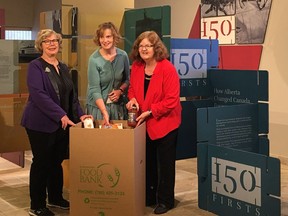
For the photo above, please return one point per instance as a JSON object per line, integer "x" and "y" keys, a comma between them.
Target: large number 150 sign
{"x": 221, "y": 28}
{"x": 239, "y": 181}
{"x": 190, "y": 63}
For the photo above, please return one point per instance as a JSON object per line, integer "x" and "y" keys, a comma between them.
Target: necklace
{"x": 148, "y": 77}
{"x": 149, "y": 69}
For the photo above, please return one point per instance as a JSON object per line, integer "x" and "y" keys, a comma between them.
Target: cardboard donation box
{"x": 107, "y": 170}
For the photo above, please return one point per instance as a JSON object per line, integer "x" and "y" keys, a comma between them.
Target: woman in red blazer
{"x": 155, "y": 91}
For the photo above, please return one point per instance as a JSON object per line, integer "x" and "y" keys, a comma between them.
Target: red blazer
{"x": 162, "y": 97}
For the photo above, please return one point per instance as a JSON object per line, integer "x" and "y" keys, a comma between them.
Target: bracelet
{"x": 121, "y": 90}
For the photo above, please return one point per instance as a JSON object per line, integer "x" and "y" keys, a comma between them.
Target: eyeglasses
{"x": 48, "y": 42}
{"x": 147, "y": 46}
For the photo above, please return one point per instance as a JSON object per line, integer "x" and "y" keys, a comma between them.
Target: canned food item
{"x": 132, "y": 116}
{"x": 88, "y": 123}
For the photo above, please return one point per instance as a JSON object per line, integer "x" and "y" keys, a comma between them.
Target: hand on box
{"x": 66, "y": 121}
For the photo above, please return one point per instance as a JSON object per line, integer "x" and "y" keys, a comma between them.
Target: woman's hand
{"x": 66, "y": 121}
{"x": 143, "y": 117}
{"x": 83, "y": 117}
{"x": 132, "y": 102}
{"x": 114, "y": 95}
{"x": 105, "y": 117}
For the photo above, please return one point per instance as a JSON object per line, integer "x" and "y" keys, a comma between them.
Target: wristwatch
{"x": 122, "y": 91}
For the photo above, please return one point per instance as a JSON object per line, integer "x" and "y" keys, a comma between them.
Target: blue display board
{"x": 192, "y": 58}
{"x": 235, "y": 182}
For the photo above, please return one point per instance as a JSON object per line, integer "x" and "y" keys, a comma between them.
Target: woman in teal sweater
{"x": 108, "y": 76}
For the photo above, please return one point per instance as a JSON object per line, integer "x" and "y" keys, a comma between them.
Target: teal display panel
{"x": 137, "y": 21}
{"x": 236, "y": 182}
{"x": 228, "y": 87}
{"x": 232, "y": 116}
{"x": 237, "y": 118}
{"x": 235, "y": 126}
{"x": 187, "y": 134}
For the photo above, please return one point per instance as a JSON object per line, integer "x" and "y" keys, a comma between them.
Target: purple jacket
{"x": 43, "y": 112}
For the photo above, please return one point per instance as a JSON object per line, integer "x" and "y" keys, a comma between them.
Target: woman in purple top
{"x": 51, "y": 109}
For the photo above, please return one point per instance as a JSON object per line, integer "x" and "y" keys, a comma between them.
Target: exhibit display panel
{"x": 187, "y": 134}
{"x": 9, "y": 67}
{"x": 236, "y": 182}
{"x": 228, "y": 93}
{"x": 236, "y": 176}
{"x": 137, "y": 21}
{"x": 14, "y": 55}
{"x": 234, "y": 126}
{"x": 239, "y": 113}
{"x": 192, "y": 58}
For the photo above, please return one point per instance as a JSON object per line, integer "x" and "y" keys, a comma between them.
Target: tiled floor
{"x": 14, "y": 190}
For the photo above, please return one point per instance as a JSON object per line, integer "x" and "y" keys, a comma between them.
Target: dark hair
{"x": 100, "y": 31}
{"x": 160, "y": 50}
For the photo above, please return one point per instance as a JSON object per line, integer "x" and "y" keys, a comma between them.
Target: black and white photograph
{"x": 251, "y": 21}
{"x": 212, "y": 8}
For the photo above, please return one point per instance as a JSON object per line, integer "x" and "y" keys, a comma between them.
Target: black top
{"x": 63, "y": 87}
{"x": 146, "y": 83}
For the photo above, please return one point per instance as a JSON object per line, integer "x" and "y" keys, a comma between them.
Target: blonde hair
{"x": 42, "y": 35}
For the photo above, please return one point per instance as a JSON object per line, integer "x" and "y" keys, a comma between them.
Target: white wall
{"x": 274, "y": 59}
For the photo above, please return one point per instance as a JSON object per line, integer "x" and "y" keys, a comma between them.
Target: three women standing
{"x": 53, "y": 106}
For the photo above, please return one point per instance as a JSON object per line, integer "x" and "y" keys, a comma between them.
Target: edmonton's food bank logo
{"x": 101, "y": 213}
{"x": 105, "y": 175}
